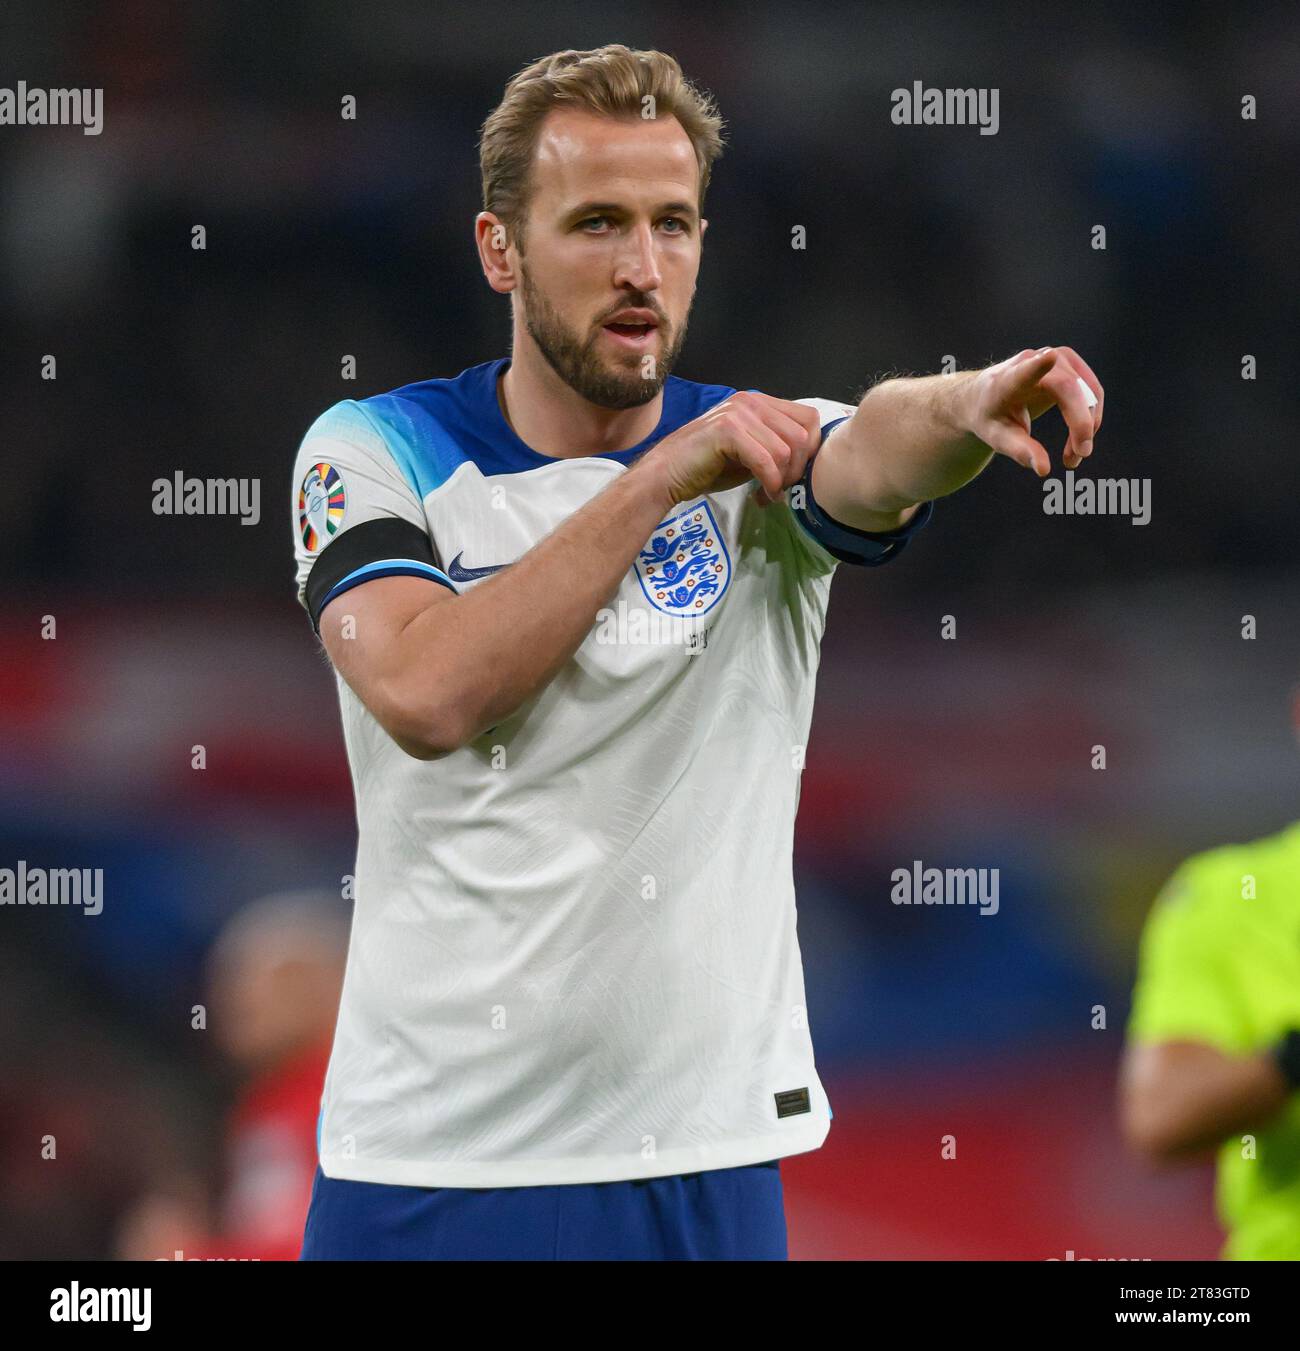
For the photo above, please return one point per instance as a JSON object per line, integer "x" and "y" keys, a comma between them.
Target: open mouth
{"x": 634, "y": 335}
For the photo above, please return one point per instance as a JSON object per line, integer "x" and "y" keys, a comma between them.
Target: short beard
{"x": 579, "y": 366}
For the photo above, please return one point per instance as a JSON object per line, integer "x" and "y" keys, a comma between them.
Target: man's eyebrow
{"x": 618, "y": 209}
{"x": 594, "y": 209}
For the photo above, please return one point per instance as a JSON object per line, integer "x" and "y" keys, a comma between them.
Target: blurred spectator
{"x": 275, "y": 974}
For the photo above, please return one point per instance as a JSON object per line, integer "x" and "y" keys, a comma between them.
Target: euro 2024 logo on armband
{"x": 322, "y": 501}
{"x": 685, "y": 567}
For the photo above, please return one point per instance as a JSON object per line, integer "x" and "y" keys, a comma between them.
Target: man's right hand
{"x": 747, "y": 435}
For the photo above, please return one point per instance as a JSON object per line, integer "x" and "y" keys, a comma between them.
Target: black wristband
{"x": 1287, "y": 1055}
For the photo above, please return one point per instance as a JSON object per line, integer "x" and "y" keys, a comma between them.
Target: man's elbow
{"x": 422, "y": 748}
{"x": 433, "y": 739}
{"x": 1150, "y": 1138}
{"x": 1153, "y": 1132}
{"x": 427, "y": 730}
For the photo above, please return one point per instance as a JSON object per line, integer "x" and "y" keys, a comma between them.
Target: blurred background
{"x": 224, "y": 887}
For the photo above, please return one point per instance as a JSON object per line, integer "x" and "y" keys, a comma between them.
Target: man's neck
{"x": 554, "y": 419}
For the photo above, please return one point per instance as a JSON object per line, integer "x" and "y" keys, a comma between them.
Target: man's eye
{"x": 677, "y": 221}
{"x": 594, "y": 220}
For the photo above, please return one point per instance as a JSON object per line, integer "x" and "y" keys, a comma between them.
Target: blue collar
{"x": 673, "y": 413}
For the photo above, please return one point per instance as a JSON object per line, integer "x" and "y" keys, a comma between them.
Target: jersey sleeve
{"x": 1186, "y": 989}
{"x": 355, "y": 517}
{"x": 825, "y": 541}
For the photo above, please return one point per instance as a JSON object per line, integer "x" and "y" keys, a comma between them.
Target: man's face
{"x": 612, "y": 226}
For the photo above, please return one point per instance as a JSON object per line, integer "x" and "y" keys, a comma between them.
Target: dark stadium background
{"x": 328, "y": 237}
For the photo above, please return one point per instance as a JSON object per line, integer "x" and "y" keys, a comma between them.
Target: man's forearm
{"x": 1182, "y": 1099}
{"x": 908, "y": 441}
{"x": 913, "y": 437}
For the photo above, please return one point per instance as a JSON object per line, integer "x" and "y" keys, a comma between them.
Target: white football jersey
{"x": 573, "y": 953}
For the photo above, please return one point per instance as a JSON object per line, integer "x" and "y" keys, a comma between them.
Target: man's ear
{"x": 704, "y": 225}
{"x": 493, "y": 241}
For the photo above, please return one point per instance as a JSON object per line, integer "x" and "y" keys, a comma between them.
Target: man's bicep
{"x": 362, "y": 631}
{"x": 365, "y": 623}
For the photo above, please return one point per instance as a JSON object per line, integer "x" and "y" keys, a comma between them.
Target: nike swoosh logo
{"x": 459, "y": 574}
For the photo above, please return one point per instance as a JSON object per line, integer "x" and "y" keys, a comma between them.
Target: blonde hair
{"x": 612, "y": 80}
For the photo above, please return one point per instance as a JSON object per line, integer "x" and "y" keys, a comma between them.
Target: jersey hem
{"x": 551, "y": 1172}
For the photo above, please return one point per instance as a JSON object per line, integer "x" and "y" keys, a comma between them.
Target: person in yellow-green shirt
{"x": 1213, "y": 1056}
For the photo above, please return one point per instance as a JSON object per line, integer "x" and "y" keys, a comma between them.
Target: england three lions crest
{"x": 685, "y": 567}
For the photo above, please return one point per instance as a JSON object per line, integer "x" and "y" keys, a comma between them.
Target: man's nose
{"x": 638, "y": 262}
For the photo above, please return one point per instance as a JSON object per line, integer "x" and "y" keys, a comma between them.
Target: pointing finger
{"x": 1022, "y": 376}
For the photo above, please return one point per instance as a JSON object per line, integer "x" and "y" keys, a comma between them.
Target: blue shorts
{"x": 725, "y": 1214}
